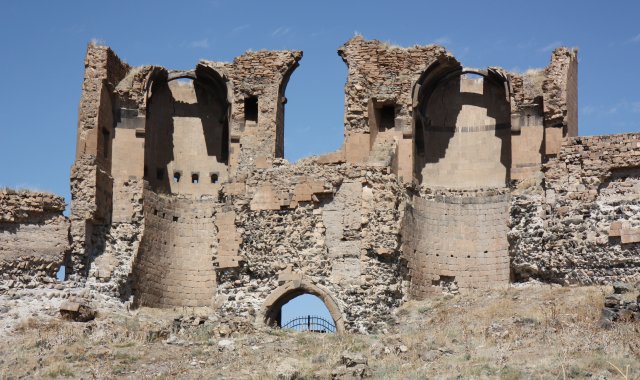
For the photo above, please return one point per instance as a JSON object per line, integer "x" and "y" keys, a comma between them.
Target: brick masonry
{"x": 448, "y": 178}
{"x": 33, "y": 237}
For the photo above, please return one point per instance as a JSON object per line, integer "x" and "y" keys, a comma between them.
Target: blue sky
{"x": 304, "y": 305}
{"x": 43, "y": 45}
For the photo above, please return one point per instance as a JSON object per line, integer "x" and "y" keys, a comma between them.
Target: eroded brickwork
{"x": 583, "y": 225}
{"x": 175, "y": 261}
{"x": 449, "y": 178}
{"x": 33, "y": 238}
{"x": 459, "y": 239}
{"x": 334, "y": 226}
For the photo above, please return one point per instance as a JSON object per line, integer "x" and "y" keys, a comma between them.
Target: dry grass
{"x": 518, "y": 333}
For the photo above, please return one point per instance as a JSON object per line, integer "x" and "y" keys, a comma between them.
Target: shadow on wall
{"x": 187, "y": 122}
{"x": 461, "y": 118}
{"x": 159, "y": 147}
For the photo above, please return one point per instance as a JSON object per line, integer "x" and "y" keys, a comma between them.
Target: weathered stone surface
{"x": 181, "y": 196}
{"x": 33, "y": 238}
{"x": 569, "y": 231}
{"x": 77, "y": 311}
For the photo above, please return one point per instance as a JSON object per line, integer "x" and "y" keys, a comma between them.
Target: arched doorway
{"x": 272, "y": 307}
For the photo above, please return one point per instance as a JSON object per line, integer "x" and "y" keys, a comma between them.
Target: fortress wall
{"x": 584, "y": 227}
{"x": 459, "y": 238}
{"x": 174, "y": 266}
{"x": 34, "y": 237}
{"x": 334, "y": 226}
{"x": 91, "y": 180}
{"x": 382, "y": 76}
{"x": 256, "y": 139}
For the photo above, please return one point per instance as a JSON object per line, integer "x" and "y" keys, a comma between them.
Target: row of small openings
{"x": 195, "y": 177}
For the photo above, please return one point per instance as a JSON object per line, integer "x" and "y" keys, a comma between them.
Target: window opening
{"x": 387, "y": 118}
{"x": 251, "y": 109}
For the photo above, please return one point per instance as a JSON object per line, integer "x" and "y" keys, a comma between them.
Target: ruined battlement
{"x": 449, "y": 178}
{"x": 33, "y": 237}
{"x": 20, "y": 205}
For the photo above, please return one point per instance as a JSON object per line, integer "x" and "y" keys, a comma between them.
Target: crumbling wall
{"x": 34, "y": 238}
{"x": 117, "y": 134}
{"x": 336, "y": 227}
{"x": 544, "y": 110}
{"x": 383, "y": 75}
{"x": 561, "y": 91}
{"x": 114, "y": 247}
{"x": 174, "y": 266}
{"x": 262, "y": 75}
{"x": 583, "y": 226}
{"x": 352, "y": 225}
{"x": 91, "y": 181}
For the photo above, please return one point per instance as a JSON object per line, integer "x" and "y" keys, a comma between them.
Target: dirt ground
{"x": 524, "y": 332}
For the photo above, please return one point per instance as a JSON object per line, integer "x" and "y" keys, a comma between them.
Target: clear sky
{"x": 304, "y": 305}
{"x": 43, "y": 43}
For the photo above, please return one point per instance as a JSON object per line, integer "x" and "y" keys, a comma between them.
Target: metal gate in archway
{"x": 310, "y": 323}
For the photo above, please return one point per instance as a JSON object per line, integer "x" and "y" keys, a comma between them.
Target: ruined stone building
{"x": 449, "y": 177}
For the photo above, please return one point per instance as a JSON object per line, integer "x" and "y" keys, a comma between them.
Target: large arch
{"x": 271, "y": 308}
{"x": 448, "y": 105}
{"x": 187, "y": 131}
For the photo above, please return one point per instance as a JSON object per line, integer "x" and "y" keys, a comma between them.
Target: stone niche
{"x": 466, "y": 134}
{"x": 187, "y": 139}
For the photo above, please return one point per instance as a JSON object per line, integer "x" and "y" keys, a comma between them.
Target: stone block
{"x": 630, "y": 235}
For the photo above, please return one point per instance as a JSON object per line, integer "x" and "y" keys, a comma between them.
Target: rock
{"x": 377, "y": 350}
{"x": 622, "y": 287}
{"x": 226, "y": 344}
{"x": 78, "y": 312}
{"x": 430, "y": 355}
{"x": 496, "y": 330}
{"x": 174, "y": 340}
{"x": 626, "y": 315}
{"x": 357, "y": 371}
{"x": 351, "y": 359}
{"x": 288, "y": 369}
{"x": 612, "y": 300}
{"x": 354, "y": 365}
{"x": 608, "y": 314}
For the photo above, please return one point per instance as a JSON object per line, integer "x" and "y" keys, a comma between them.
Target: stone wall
{"x": 118, "y": 137}
{"x": 91, "y": 181}
{"x": 417, "y": 200}
{"x": 583, "y": 226}
{"x": 263, "y": 75}
{"x": 34, "y": 238}
{"x": 335, "y": 227}
{"x": 174, "y": 266}
{"x": 383, "y": 75}
{"x": 458, "y": 240}
{"x": 115, "y": 246}
{"x": 468, "y": 141}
